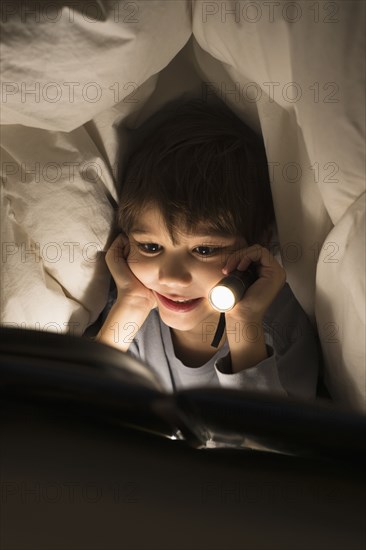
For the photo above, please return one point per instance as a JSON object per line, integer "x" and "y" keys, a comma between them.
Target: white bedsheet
{"x": 294, "y": 73}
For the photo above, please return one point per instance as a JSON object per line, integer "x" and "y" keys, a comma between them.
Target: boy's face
{"x": 187, "y": 270}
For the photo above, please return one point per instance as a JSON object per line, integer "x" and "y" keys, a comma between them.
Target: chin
{"x": 173, "y": 321}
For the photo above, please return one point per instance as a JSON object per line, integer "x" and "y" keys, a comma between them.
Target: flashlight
{"x": 231, "y": 289}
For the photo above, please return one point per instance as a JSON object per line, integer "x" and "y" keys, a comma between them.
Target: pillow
{"x": 340, "y": 307}
{"x": 56, "y": 218}
{"x": 63, "y": 63}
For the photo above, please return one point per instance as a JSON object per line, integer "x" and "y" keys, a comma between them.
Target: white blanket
{"x": 292, "y": 71}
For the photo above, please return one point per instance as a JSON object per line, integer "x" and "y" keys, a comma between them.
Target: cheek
{"x": 209, "y": 274}
{"x": 142, "y": 268}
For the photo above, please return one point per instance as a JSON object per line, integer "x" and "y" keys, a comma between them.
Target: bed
{"x": 73, "y": 72}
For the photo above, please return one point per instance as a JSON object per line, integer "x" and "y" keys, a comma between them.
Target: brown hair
{"x": 198, "y": 162}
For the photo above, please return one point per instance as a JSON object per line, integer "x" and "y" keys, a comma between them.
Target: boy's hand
{"x": 247, "y": 345}
{"x": 260, "y": 295}
{"x": 128, "y": 286}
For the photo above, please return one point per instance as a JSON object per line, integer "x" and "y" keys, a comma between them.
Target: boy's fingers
{"x": 117, "y": 253}
{"x": 244, "y": 257}
{"x": 120, "y": 247}
{"x": 261, "y": 255}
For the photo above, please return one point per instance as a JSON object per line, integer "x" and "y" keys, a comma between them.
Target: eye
{"x": 149, "y": 248}
{"x": 207, "y": 250}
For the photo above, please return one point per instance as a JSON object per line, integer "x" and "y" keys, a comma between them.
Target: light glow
{"x": 222, "y": 298}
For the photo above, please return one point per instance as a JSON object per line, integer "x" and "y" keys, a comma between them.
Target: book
{"x": 93, "y": 379}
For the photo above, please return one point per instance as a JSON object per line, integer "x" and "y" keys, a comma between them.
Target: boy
{"x": 196, "y": 204}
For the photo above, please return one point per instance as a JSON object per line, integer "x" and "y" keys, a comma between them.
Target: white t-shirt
{"x": 291, "y": 368}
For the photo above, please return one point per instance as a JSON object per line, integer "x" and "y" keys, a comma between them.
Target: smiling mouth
{"x": 180, "y": 305}
{"x": 179, "y": 300}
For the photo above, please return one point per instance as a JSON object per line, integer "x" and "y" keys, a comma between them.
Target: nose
{"x": 174, "y": 275}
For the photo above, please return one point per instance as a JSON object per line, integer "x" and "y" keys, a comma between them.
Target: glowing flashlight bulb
{"x": 231, "y": 289}
{"x": 222, "y": 298}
